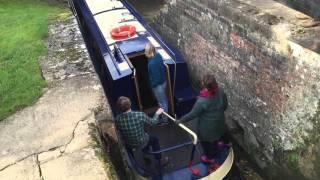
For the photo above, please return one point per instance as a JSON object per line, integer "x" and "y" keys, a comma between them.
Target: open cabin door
{"x": 144, "y": 96}
{"x": 136, "y": 83}
{"x": 169, "y": 91}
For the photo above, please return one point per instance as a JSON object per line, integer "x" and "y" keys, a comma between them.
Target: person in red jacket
{"x": 209, "y": 110}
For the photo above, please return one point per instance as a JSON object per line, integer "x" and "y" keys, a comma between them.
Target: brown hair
{"x": 209, "y": 82}
{"x": 123, "y": 104}
{"x": 150, "y": 50}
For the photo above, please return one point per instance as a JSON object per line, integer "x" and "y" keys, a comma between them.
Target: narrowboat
{"x": 115, "y": 36}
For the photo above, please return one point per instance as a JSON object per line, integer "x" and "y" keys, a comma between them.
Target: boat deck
{"x": 170, "y": 135}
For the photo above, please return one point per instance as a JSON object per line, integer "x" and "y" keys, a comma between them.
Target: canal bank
{"x": 56, "y": 137}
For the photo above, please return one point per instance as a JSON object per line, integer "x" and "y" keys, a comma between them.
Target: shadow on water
{"x": 109, "y": 143}
{"x": 147, "y": 8}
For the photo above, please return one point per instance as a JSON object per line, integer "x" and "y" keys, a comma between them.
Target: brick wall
{"x": 271, "y": 82}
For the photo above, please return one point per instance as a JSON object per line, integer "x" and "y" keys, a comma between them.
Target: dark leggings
{"x": 211, "y": 149}
{"x": 154, "y": 144}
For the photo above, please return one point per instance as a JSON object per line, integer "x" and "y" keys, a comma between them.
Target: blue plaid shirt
{"x": 131, "y": 127}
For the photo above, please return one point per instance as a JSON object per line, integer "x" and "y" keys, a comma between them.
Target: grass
{"x": 293, "y": 161}
{"x": 23, "y": 26}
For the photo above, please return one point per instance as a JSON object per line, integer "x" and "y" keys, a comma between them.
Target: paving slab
{"x": 80, "y": 164}
{"x": 26, "y": 169}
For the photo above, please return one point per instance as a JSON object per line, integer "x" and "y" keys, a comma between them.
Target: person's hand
{"x": 159, "y": 111}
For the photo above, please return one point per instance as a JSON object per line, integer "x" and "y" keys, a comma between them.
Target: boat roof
{"x": 110, "y": 14}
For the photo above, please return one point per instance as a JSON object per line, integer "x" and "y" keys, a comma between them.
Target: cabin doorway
{"x": 146, "y": 100}
{"x": 145, "y": 95}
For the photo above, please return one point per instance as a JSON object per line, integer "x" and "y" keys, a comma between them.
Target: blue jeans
{"x": 161, "y": 96}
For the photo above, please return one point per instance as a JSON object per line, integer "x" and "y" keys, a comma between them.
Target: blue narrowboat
{"x": 121, "y": 65}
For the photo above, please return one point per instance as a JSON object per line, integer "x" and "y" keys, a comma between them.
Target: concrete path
{"x": 51, "y": 139}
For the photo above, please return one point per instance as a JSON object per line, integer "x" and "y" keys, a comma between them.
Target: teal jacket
{"x": 157, "y": 71}
{"x": 210, "y": 114}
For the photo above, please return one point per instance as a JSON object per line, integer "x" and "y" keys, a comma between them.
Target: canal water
{"x": 147, "y": 8}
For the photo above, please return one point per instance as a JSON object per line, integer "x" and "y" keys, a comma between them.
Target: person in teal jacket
{"x": 157, "y": 77}
{"x": 209, "y": 109}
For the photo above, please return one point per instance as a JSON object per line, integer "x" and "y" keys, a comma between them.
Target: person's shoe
{"x": 224, "y": 145}
{"x": 206, "y": 160}
{"x": 164, "y": 161}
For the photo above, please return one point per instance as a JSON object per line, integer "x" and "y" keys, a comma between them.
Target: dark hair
{"x": 123, "y": 104}
{"x": 209, "y": 82}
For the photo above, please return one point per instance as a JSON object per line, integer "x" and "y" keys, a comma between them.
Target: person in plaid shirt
{"x": 131, "y": 126}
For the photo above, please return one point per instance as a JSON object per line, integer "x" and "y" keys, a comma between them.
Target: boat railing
{"x": 170, "y": 148}
{"x": 193, "y": 143}
{"x": 189, "y": 131}
{"x": 193, "y": 134}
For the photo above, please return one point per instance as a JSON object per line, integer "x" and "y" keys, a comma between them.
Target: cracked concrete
{"x": 50, "y": 139}
{"x": 26, "y": 169}
{"x": 39, "y": 167}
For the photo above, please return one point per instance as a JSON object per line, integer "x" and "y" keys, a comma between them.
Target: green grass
{"x": 23, "y": 26}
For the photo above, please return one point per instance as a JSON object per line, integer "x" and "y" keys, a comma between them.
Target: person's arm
{"x": 195, "y": 112}
{"x": 154, "y": 120}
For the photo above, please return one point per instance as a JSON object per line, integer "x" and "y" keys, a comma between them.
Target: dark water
{"x": 147, "y": 8}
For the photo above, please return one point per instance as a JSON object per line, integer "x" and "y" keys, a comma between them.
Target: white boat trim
{"x": 223, "y": 170}
{"x": 98, "y": 6}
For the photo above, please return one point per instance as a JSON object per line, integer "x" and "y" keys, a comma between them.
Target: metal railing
{"x": 189, "y": 131}
{"x": 194, "y": 171}
{"x": 195, "y": 137}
